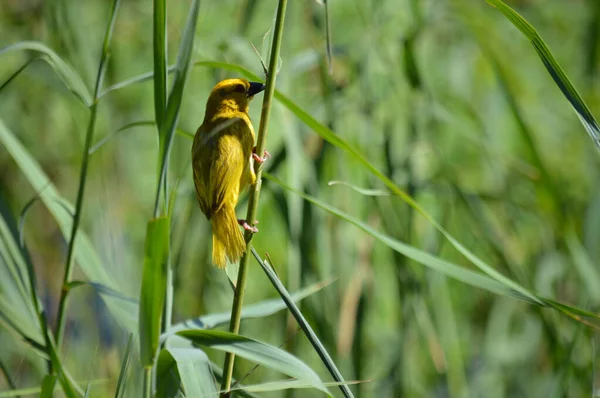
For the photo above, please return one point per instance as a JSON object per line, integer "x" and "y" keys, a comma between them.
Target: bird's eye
{"x": 240, "y": 88}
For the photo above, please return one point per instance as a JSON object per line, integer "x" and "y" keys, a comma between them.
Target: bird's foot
{"x": 247, "y": 226}
{"x": 258, "y": 159}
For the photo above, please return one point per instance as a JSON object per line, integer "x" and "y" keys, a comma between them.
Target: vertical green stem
{"x": 238, "y": 298}
{"x": 147, "y": 382}
{"x": 89, "y": 137}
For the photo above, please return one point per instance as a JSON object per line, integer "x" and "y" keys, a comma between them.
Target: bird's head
{"x": 232, "y": 95}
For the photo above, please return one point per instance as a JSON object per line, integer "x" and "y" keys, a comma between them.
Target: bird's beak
{"x": 255, "y": 88}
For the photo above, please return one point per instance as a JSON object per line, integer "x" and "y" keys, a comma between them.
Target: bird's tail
{"x": 228, "y": 241}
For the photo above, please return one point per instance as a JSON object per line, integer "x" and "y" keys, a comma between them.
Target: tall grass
{"x": 485, "y": 284}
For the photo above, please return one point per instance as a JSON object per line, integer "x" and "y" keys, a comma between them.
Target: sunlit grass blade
{"x": 257, "y": 352}
{"x": 287, "y": 385}
{"x": 451, "y": 270}
{"x": 69, "y": 77}
{"x": 258, "y": 310}
{"x": 304, "y": 325}
{"x": 447, "y": 268}
{"x": 152, "y": 296}
{"x": 554, "y": 68}
{"x": 36, "y": 391}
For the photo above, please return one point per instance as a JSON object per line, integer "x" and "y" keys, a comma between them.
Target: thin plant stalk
{"x": 147, "y": 393}
{"x": 238, "y": 298}
{"x": 304, "y": 325}
{"x": 89, "y": 138}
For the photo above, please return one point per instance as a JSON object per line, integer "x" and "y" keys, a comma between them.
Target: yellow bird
{"x": 222, "y": 156}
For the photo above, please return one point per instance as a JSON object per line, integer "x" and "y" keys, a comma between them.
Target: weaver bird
{"x": 222, "y": 156}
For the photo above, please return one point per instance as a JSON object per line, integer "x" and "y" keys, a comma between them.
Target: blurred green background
{"x": 446, "y": 98}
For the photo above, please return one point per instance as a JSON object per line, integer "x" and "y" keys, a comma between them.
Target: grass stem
{"x": 236, "y": 310}
{"x": 89, "y": 139}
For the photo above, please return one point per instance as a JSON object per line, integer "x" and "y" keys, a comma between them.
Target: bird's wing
{"x": 220, "y": 158}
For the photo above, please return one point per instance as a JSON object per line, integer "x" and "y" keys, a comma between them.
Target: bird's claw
{"x": 258, "y": 159}
{"x": 247, "y": 226}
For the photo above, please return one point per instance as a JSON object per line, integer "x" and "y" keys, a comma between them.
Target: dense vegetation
{"x": 432, "y": 198}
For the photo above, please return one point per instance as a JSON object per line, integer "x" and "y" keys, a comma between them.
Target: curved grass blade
{"x": 258, "y": 310}
{"x": 144, "y": 77}
{"x": 85, "y": 254}
{"x": 18, "y": 72}
{"x": 128, "y": 126}
{"x": 193, "y": 371}
{"x": 218, "y": 373}
{"x": 68, "y": 76}
{"x": 362, "y": 191}
{"x": 257, "y": 352}
{"x": 306, "y": 328}
{"x": 286, "y": 385}
{"x": 554, "y": 68}
{"x": 108, "y": 137}
{"x": 449, "y": 269}
{"x": 16, "y": 307}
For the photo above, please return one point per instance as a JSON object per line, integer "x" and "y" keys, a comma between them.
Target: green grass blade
{"x": 258, "y": 310}
{"x": 168, "y": 124}
{"x": 85, "y": 254}
{"x": 152, "y": 296}
{"x": 305, "y": 326}
{"x": 284, "y": 385}
{"x": 48, "y": 385}
{"x": 195, "y": 372}
{"x": 160, "y": 60}
{"x": 129, "y": 126}
{"x": 89, "y": 137}
{"x": 120, "y": 390}
{"x": 168, "y": 382}
{"x": 449, "y": 269}
{"x": 218, "y": 374}
{"x": 553, "y": 67}
{"x": 18, "y": 72}
{"x": 144, "y": 77}
{"x": 257, "y": 352}
{"x": 69, "y": 77}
